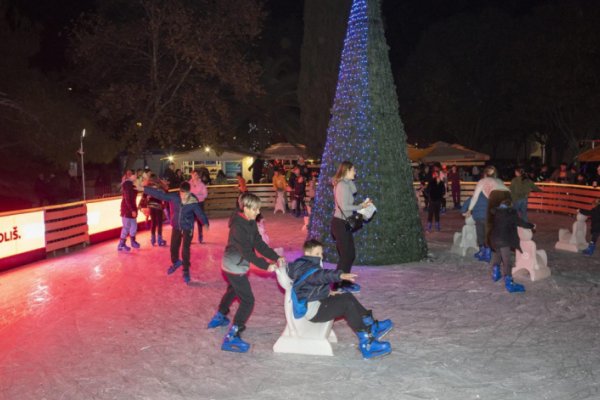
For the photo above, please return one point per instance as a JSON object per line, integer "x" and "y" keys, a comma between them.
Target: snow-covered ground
{"x": 95, "y": 324}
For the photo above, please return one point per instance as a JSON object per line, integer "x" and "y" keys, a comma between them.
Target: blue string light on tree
{"x": 365, "y": 128}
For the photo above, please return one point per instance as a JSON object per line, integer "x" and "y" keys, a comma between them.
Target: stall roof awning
{"x": 443, "y": 152}
{"x": 590, "y": 155}
{"x": 285, "y": 151}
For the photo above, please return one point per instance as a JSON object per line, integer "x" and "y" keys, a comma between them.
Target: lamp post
{"x": 82, "y": 165}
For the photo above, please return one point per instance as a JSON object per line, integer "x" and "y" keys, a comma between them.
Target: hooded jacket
{"x": 244, "y": 238}
{"x": 182, "y": 214}
{"x": 595, "y": 214}
{"x": 504, "y": 233}
{"x": 316, "y": 286}
{"x": 128, "y": 203}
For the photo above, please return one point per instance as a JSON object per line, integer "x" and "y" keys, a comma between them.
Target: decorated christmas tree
{"x": 365, "y": 129}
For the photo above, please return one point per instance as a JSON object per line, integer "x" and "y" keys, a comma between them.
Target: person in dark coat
{"x": 595, "y": 214}
{"x": 436, "y": 190}
{"x": 185, "y": 209}
{"x": 504, "y": 237}
{"x": 243, "y": 244}
{"x": 323, "y": 305}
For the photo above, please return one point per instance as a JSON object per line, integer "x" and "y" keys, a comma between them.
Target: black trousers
{"x": 502, "y": 255}
{"x": 496, "y": 197}
{"x": 156, "y": 216}
{"x": 433, "y": 212}
{"x": 176, "y": 238}
{"x": 344, "y": 306}
{"x": 238, "y": 286}
{"x": 300, "y": 205}
{"x": 199, "y": 223}
{"x": 344, "y": 242}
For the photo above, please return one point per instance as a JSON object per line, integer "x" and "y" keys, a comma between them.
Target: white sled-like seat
{"x": 530, "y": 259}
{"x": 302, "y": 336}
{"x": 466, "y": 240}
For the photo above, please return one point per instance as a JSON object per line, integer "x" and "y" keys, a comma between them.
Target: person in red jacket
{"x": 128, "y": 213}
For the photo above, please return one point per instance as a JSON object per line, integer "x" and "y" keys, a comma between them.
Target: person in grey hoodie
{"x": 185, "y": 207}
{"x": 243, "y": 243}
{"x": 344, "y": 191}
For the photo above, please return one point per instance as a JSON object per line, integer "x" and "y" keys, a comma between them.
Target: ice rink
{"x": 97, "y": 324}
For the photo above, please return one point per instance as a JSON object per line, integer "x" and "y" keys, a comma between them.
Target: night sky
{"x": 405, "y": 21}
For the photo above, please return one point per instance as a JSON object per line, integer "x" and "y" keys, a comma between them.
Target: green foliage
{"x": 168, "y": 73}
{"x": 366, "y": 129}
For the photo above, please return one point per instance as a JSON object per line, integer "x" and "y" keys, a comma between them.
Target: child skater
{"x": 185, "y": 207}
{"x": 244, "y": 240}
{"x": 504, "y": 236}
{"x": 595, "y": 214}
{"x": 324, "y": 305}
{"x": 128, "y": 213}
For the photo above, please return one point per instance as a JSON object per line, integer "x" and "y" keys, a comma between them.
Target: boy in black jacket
{"x": 244, "y": 239}
{"x": 185, "y": 208}
{"x": 595, "y": 214}
{"x": 324, "y": 305}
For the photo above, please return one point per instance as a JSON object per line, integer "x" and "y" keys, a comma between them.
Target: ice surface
{"x": 95, "y": 324}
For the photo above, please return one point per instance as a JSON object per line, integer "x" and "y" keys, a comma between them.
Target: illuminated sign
{"x": 105, "y": 215}
{"x": 20, "y": 233}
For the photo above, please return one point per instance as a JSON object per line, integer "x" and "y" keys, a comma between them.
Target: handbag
{"x": 300, "y": 306}
{"x": 353, "y": 222}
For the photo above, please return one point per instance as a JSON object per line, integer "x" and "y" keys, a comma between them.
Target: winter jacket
{"x": 183, "y": 215}
{"x": 244, "y": 238}
{"x": 344, "y": 192}
{"x": 479, "y": 212}
{"x": 454, "y": 179}
{"x": 128, "y": 202}
{"x": 436, "y": 190}
{"x": 504, "y": 232}
{"x": 486, "y": 186}
{"x": 279, "y": 183}
{"x": 316, "y": 286}
{"x": 520, "y": 188}
{"x": 198, "y": 188}
{"x": 595, "y": 214}
{"x": 300, "y": 190}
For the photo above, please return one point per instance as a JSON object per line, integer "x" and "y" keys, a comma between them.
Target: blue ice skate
{"x": 219, "y": 319}
{"x": 378, "y": 329}
{"x": 511, "y": 286}
{"x": 351, "y": 288}
{"x": 174, "y": 267}
{"x": 233, "y": 342}
{"x": 590, "y": 249}
{"x": 123, "y": 246}
{"x": 134, "y": 244}
{"x": 370, "y": 347}
{"x": 496, "y": 273}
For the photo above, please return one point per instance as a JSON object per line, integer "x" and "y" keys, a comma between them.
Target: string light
{"x": 365, "y": 128}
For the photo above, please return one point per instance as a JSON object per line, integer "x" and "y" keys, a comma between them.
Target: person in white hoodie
{"x": 198, "y": 188}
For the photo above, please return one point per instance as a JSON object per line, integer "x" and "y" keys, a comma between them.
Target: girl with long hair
{"x": 344, "y": 191}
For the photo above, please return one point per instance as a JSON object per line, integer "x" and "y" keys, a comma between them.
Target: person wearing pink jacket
{"x": 198, "y": 188}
